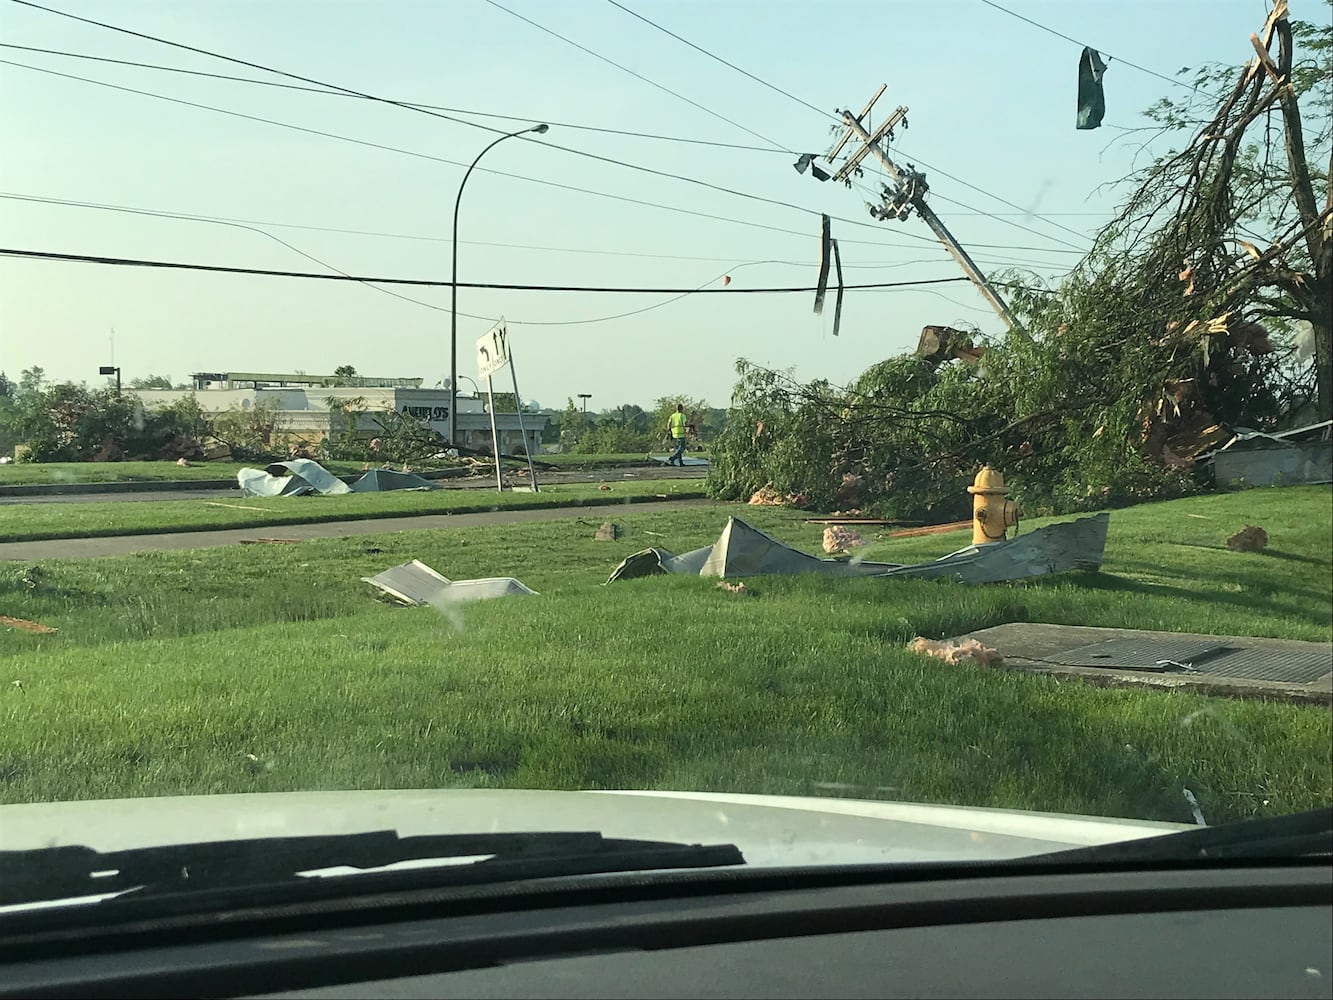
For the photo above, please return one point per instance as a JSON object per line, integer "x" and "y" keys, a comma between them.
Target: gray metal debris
{"x": 743, "y": 550}
{"x": 416, "y": 584}
{"x": 386, "y": 480}
{"x": 1285, "y": 458}
{"x": 290, "y": 479}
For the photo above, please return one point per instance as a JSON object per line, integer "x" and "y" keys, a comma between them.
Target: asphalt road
{"x": 466, "y": 483}
{"x": 119, "y": 545}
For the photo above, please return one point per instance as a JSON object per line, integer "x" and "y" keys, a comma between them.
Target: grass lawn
{"x": 31, "y": 521}
{"x": 56, "y": 473}
{"x": 59, "y": 473}
{"x": 227, "y": 670}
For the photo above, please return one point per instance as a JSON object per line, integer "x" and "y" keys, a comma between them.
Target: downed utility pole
{"x": 909, "y": 193}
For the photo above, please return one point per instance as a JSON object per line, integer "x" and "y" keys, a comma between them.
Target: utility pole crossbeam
{"x": 908, "y": 194}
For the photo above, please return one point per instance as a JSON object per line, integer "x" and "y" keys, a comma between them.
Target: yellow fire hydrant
{"x": 992, "y": 514}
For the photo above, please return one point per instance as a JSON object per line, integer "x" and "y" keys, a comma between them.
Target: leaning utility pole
{"x": 909, "y": 193}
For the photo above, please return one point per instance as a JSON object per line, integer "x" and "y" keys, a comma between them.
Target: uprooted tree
{"x": 1204, "y": 304}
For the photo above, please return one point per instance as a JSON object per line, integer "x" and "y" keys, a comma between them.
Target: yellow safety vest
{"x": 678, "y": 425}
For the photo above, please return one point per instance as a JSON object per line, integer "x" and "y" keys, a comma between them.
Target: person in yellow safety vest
{"x": 677, "y": 428}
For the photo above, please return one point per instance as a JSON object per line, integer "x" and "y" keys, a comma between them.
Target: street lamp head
{"x": 540, "y": 129}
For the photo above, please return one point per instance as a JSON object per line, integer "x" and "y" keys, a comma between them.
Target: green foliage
{"x": 151, "y": 382}
{"x": 405, "y": 440}
{"x": 345, "y": 441}
{"x": 250, "y": 433}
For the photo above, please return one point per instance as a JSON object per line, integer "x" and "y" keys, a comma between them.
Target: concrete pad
{"x": 1030, "y": 647}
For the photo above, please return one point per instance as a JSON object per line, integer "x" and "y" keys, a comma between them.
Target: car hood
{"x": 770, "y": 830}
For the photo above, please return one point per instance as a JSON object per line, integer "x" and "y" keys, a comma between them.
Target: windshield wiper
{"x": 1300, "y": 835}
{"x": 69, "y": 872}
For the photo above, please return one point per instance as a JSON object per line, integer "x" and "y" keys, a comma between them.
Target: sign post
{"x": 493, "y": 354}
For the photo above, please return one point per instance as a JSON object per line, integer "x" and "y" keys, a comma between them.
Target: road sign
{"x": 492, "y": 351}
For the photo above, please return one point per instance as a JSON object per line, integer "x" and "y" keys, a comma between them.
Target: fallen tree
{"x": 1204, "y": 304}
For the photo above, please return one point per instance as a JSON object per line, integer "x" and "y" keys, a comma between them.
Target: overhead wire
{"x": 230, "y": 78}
{"x": 735, "y": 266}
{"x": 201, "y": 217}
{"x": 1058, "y": 34}
{"x": 652, "y": 83}
{"x": 440, "y": 159}
{"x": 746, "y": 73}
{"x": 48, "y": 255}
{"x": 336, "y": 89}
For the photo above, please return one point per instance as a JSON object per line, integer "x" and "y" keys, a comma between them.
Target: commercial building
{"x": 304, "y": 412}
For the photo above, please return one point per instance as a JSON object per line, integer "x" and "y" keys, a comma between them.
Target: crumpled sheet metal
{"x": 743, "y": 550}
{"x": 290, "y": 479}
{"x": 415, "y": 583}
{"x": 386, "y": 480}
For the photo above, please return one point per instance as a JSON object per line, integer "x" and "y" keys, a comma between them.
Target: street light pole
{"x": 453, "y": 286}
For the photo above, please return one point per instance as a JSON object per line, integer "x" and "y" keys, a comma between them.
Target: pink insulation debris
{"x": 840, "y": 539}
{"x": 956, "y": 652}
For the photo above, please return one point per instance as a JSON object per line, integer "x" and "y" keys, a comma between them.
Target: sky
{"x": 991, "y": 114}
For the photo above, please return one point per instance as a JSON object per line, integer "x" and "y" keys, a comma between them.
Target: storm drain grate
{"x": 1203, "y": 656}
{"x": 1141, "y": 654}
{"x": 1292, "y": 666}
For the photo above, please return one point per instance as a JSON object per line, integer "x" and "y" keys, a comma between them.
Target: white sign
{"x": 492, "y": 351}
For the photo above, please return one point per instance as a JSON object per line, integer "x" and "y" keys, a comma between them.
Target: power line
{"x": 456, "y": 163}
{"x": 730, "y": 65}
{"x": 48, "y": 255}
{"x": 246, "y": 223}
{"x": 407, "y": 298}
{"x": 332, "y": 89}
{"x": 1067, "y": 38}
{"x": 652, "y": 83}
{"x": 804, "y": 103}
{"x": 411, "y": 104}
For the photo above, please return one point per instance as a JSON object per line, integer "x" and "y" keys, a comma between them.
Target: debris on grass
{"x": 603, "y": 487}
{"x": 767, "y": 496}
{"x": 415, "y": 584}
{"x": 270, "y": 541}
{"x": 743, "y": 550}
{"x": 930, "y": 529}
{"x": 956, "y": 652}
{"x": 236, "y": 506}
{"x": 23, "y": 625}
{"x": 838, "y": 538}
{"x": 1249, "y": 539}
{"x": 734, "y": 588}
{"x": 607, "y": 532}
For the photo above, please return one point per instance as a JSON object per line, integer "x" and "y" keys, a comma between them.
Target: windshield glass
{"x": 989, "y": 522}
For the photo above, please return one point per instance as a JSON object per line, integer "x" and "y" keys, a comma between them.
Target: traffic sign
{"x": 492, "y": 351}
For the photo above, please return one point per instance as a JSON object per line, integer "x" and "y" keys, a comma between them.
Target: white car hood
{"x": 769, "y": 830}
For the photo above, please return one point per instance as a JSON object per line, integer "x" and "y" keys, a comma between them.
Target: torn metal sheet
{"x": 1056, "y": 548}
{"x": 289, "y": 479}
{"x": 385, "y": 480}
{"x": 837, "y": 301}
{"x": 743, "y": 550}
{"x": 416, "y": 584}
{"x": 824, "y": 257}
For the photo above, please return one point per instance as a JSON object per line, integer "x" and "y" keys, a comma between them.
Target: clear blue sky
{"x": 991, "y": 99}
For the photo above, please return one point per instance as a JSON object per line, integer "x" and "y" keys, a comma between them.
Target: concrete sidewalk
{"x": 94, "y": 548}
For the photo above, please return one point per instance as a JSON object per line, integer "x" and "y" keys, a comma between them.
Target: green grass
{"x": 224, "y": 670}
{"x": 34, "y": 521}
{"x": 62, "y": 473}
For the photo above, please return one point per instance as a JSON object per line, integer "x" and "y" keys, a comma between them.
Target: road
{"x": 465, "y": 483}
{"x": 120, "y": 545}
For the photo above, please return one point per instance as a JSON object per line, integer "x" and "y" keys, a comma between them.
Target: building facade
{"x": 304, "y": 412}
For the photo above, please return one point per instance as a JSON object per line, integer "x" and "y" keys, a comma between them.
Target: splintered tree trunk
{"x": 1321, "y": 319}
